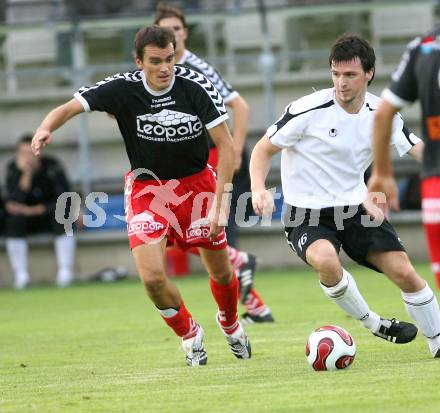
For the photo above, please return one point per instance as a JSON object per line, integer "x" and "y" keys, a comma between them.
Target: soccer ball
{"x": 330, "y": 348}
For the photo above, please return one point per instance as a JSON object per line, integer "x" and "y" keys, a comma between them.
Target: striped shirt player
{"x": 173, "y": 19}
{"x": 164, "y": 113}
{"x": 326, "y": 144}
{"x": 194, "y": 62}
{"x": 245, "y": 263}
{"x": 417, "y": 77}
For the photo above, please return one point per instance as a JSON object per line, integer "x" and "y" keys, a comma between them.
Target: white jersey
{"x": 327, "y": 150}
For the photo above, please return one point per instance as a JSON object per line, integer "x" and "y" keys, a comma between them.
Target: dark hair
{"x": 155, "y": 35}
{"x": 163, "y": 11}
{"x": 25, "y": 138}
{"x": 349, "y": 46}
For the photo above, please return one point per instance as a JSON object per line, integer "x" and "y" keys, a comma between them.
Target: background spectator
{"x": 33, "y": 185}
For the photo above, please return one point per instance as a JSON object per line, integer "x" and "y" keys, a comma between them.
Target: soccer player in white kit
{"x": 326, "y": 144}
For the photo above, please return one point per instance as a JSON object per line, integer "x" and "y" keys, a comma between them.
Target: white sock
{"x": 65, "y": 253}
{"x": 168, "y": 312}
{"x": 18, "y": 257}
{"x": 347, "y": 296}
{"x": 422, "y": 307}
{"x": 244, "y": 256}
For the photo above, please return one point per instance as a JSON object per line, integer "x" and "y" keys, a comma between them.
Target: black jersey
{"x": 418, "y": 76}
{"x": 164, "y": 131}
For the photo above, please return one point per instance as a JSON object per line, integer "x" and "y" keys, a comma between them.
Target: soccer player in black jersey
{"x": 164, "y": 113}
{"x": 325, "y": 140}
{"x": 244, "y": 263}
{"x": 416, "y": 77}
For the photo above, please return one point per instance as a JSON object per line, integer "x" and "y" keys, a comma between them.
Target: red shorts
{"x": 213, "y": 158}
{"x": 175, "y": 208}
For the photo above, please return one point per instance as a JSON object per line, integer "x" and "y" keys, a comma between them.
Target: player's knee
{"x": 222, "y": 277}
{"x": 407, "y": 279}
{"x": 323, "y": 258}
{"x": 153, "y": 280}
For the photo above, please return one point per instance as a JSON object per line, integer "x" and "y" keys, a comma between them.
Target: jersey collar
{"x": 156, "y": 92}
{"x": 342, "y": 110}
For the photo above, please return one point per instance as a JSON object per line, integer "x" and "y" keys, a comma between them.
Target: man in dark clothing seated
{"x": 33, "y": 185}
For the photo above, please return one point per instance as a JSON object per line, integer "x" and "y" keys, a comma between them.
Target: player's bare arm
{"x": 223, "y": 141}
{"x": 240, "y": 117}
{"x": 262, "y": 199}
{"x": 416, "y": 152}
{"x": 55, "y": 119}
{"x": 382, "y": 179}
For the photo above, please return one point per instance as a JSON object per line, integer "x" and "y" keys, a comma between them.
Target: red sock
{"x": 226, "y": 296}
{"x": 430, "y": 192}
{"x": 432, "y": 232}
{"x": 253, "y": 301}
{"x": 182, "y": 323}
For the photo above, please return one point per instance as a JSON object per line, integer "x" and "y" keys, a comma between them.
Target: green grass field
{"x": 104, "y": 348}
